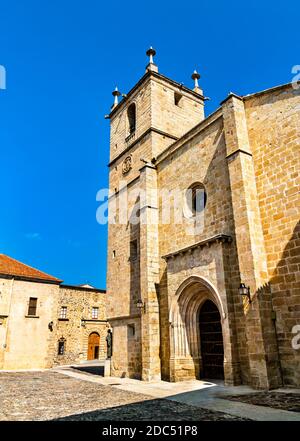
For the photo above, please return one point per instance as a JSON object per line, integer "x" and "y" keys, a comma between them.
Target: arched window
{"x": 131, "y": 114}
{"x": 196, "y": 198}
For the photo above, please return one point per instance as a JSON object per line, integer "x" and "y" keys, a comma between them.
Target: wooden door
{"x": 212, "y": 350}
{"x": 93, "y": 346}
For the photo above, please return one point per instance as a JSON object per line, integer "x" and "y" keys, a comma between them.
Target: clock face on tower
{"x": 127, "y": 165}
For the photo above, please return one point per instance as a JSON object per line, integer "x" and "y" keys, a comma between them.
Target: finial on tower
{"x": 195, "y": 76}
{"x": 116, "y": 95}
{"x": 151, "y": 53}
{"x": 151, "y": 66}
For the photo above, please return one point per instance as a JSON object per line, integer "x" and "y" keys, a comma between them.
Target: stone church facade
{"x": 174, "y": 289}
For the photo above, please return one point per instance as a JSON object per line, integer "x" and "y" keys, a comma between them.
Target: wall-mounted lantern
{"x": 245, "y": 291}
{"x": 141, "y": 305}
{"x": 50, "y": 326}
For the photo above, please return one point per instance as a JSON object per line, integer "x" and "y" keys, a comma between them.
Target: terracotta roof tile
{"x": 12, "y": 267}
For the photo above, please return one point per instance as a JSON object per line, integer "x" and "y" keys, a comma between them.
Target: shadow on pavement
{"x": 152, "y": 410}
{"x": 94, "y": 370}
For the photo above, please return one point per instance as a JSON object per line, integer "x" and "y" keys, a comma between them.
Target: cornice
{"x": 218, "y": 238}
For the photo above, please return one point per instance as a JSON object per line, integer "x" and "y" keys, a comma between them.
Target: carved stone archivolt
{"x": 127, "y": 165}
{"x": 184, "y": 316}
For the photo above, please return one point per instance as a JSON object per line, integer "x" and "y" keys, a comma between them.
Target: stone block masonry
{"x": 245, "y": 157}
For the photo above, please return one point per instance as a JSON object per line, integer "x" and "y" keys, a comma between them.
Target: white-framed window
{"x": 63, "y": 312}
{"x": 95, "y": 312}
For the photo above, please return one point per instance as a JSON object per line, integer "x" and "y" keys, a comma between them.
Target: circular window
{"x": 196, "y": 198}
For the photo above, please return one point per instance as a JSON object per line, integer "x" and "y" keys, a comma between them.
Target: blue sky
{"x": 63, "y": 58}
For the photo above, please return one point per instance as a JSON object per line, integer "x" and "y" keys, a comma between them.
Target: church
{"x": 203, "y": 274}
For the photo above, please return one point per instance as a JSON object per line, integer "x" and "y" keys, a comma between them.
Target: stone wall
{"x": 202, "y": 158}
{"x": 169, "y": 117}
{"x": 78, "y": 325}
{"x": 193, "y": 277}
{"x": 246, "y": 155}
{"x": 263, "y": 357}
{"x": 123, "y": 287}
{"x": 31, "y": 342}
{"x": 119, "y": 128}
{"x": 274, "y": 134}
{"x": 6, "y": 286}
{"x": 157, "y": 126}
{"x": 156, "y": 109}
{"x": 127, "y": 351}
{"x": 28, "y": 340}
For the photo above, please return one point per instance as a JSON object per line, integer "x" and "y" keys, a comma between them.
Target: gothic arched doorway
{"x": 211, "y": 340}
{"x": 93, "y": 346}
{"x": 197, "y": 308}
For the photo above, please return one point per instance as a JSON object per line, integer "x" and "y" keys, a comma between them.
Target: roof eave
{"x": 148, "y": 75}
{"x": 30, "y": 279}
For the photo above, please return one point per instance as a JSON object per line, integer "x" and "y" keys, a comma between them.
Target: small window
{"x": 114, "y": 254}
{"x": 133, "y": 249}
{"x": 196, "y": 198}
{"x": 63, "y": 312}
{"x": 95, "y": 313}
{"x": 177, "y": 98}
{"x": 131, "y": 330}
{"x": 131, "y": 114}
{"x": 32, "y": 306}
{"x": 61, "y": 346}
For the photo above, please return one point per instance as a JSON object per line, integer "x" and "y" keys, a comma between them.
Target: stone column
{"x": 149, "y": 274}
{"x": 257, "y": 316}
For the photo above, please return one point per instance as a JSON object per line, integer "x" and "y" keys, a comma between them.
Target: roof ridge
{"x": 269, "y": 89}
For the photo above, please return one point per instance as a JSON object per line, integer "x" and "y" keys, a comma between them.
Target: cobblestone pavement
{"x": 48, "y": 395}
{"x": 276, "y": 400}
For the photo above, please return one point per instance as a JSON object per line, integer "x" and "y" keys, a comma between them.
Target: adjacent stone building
{"x": 213, "y": 290}
{"x": 45, "y": 323}
{"x": 81, "y": 324}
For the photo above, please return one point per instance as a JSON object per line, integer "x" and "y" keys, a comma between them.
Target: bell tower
{"x": 149, "y": 118}
{"x": 159, "y": 107}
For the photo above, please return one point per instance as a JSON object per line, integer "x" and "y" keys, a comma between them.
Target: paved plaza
{"x": 71, "y": 394}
